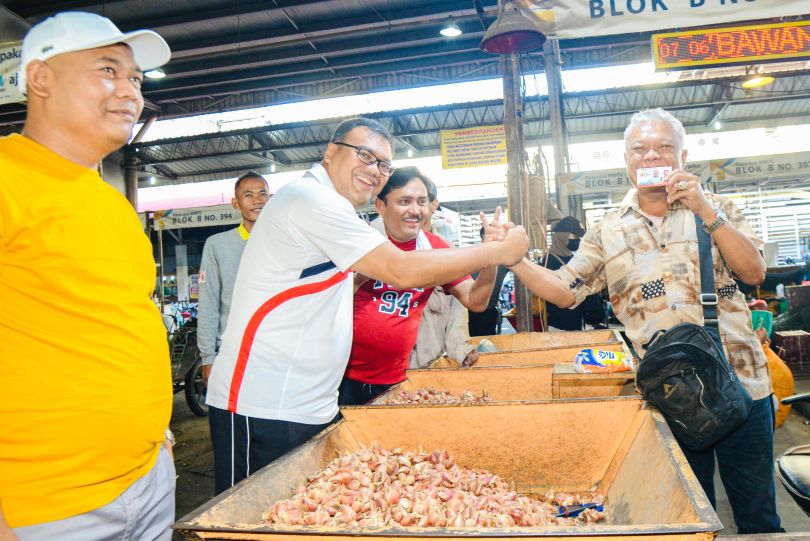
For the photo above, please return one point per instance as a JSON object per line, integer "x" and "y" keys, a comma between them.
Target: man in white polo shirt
{"x": 275, "y": 381}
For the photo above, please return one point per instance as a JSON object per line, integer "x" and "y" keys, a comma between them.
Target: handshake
{"x": 512, "y": 239}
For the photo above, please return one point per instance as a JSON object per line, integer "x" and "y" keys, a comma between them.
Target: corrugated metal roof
{"x": 235, "y": 55}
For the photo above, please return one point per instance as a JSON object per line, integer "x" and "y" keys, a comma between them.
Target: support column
{"x": 516, "y": 174}
{"x": 181, "y": 272}
{"x": 130, "y": 177}
{"x": 559, "y": 135}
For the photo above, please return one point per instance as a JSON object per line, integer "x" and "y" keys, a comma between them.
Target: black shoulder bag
{"x": 686, "y": 375}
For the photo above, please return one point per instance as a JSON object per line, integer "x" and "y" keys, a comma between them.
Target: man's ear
{"x": 379, "y": 204}
{"x": 235, "y": 203}
{"x": 38, "y": 77}
{"x": 684, "y": 152}
{"x": 329, "y": 154}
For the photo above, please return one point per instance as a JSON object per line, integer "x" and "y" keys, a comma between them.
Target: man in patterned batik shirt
{"x": 646, "y": 253}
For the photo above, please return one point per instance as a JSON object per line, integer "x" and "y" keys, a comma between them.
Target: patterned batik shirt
{"x": 653, "y": 278}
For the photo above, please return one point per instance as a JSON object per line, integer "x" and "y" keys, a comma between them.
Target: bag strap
{"x": 708, "y": 296}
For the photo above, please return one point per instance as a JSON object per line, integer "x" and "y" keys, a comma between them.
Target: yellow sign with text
{"x": 473, "y": 147}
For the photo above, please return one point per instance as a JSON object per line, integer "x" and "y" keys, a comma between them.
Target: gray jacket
{"x": 220, "y": 261}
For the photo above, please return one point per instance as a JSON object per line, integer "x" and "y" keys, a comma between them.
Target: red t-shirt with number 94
{"x": 386, "y": 324}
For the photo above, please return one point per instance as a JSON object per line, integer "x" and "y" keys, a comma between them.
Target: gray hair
{"x": 656, "y": 115}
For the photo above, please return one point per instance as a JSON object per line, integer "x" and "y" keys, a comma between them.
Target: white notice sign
{"x": 197, "y": 217}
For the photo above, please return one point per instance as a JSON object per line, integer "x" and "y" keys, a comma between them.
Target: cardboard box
{"x": 794, "y": 348}
{"x": 797, "y": 296}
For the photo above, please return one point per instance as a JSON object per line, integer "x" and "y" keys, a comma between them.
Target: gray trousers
{"x": 143, "y": 512}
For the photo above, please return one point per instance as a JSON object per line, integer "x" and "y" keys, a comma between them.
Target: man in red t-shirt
{"x": 386, "y": 319}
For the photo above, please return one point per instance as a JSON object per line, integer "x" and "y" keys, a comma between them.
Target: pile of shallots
{"x": 431, "y": 395}
{"x": 375, "y": 488}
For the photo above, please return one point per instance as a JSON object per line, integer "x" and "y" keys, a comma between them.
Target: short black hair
{"x": 351, "y": 123}
{"x": 402, "y": 176}
{"x": 249, "y": 174}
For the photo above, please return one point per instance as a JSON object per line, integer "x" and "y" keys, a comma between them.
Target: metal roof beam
{"x": 32, "y": 8}
{"x": 270, "y": 56}
{"x": 367, "y": 64}
{"x": 580, "y": 106}
{"x": 232, "y": 169}
{"x": 427, "y": 13}
{"x": 228, "y": 9}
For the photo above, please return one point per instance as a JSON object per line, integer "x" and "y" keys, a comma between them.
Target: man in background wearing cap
{"x": 84, "y": 362}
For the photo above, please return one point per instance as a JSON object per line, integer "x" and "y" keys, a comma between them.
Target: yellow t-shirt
{"x": 85, "y": 381}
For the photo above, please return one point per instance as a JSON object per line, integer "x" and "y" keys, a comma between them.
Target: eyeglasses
{"x": 366, "y": 156}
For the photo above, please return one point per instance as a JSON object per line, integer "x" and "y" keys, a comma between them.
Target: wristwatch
{"x": 718, "y": 222}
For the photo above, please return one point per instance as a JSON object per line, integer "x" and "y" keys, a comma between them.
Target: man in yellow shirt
{"x": 84, "y": 362}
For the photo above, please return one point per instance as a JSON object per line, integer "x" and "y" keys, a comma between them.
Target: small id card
{"x": 652, "y": 176}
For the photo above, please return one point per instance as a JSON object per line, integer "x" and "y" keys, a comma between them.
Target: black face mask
{"x": 573, "y": 244}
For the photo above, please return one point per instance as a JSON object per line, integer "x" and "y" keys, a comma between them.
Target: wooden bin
{"x": 516, "y": 383}
{"x": 626, "y": 451}
{"x": 545, "y": 340}
{"x": 501, "y": 383}
{"x": 567, "y": 383}
{"x": 551, "y": 356}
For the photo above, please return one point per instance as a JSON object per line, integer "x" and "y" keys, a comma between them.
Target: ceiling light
{"x": 450, "y": 30}
{"x": 717, "y": 125}
{"x": 152, "y": 181}
{"x": 513, "y": 32}
{"x": 272, "y": 168}
{"x": 410, "y": 153}
{"x": 156, "y": 73}
{"x": 757, "y": 81}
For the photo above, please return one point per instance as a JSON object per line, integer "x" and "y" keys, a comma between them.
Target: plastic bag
{"x": 597, "y": 361}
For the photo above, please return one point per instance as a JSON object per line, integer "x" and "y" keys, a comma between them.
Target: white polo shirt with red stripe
{"x": 289, "y": 331}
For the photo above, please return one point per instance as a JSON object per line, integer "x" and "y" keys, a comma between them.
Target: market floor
{"x": 195, "y": 465}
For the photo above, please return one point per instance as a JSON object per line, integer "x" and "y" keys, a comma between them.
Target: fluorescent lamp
{"x": 757, "y": 81}
{"x": 156, "y": 73}
{"x": 451, "y": 30}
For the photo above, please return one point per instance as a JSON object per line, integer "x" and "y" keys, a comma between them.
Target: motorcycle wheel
{"x": 195, "y": 390}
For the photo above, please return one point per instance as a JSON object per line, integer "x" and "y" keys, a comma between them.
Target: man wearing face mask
{"x": 565, "y": 237}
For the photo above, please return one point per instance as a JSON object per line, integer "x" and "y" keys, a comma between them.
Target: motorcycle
{"x": 793, "y": 466}
{"x": 186, "y": 363}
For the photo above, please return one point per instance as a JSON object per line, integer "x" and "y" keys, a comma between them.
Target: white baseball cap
{"x": 72, "y": 31}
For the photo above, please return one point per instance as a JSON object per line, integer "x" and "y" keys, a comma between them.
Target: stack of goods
{"x": 376, "y": 488}
{"x": 431, "y": 395}
{"x": 599, "y": 361}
